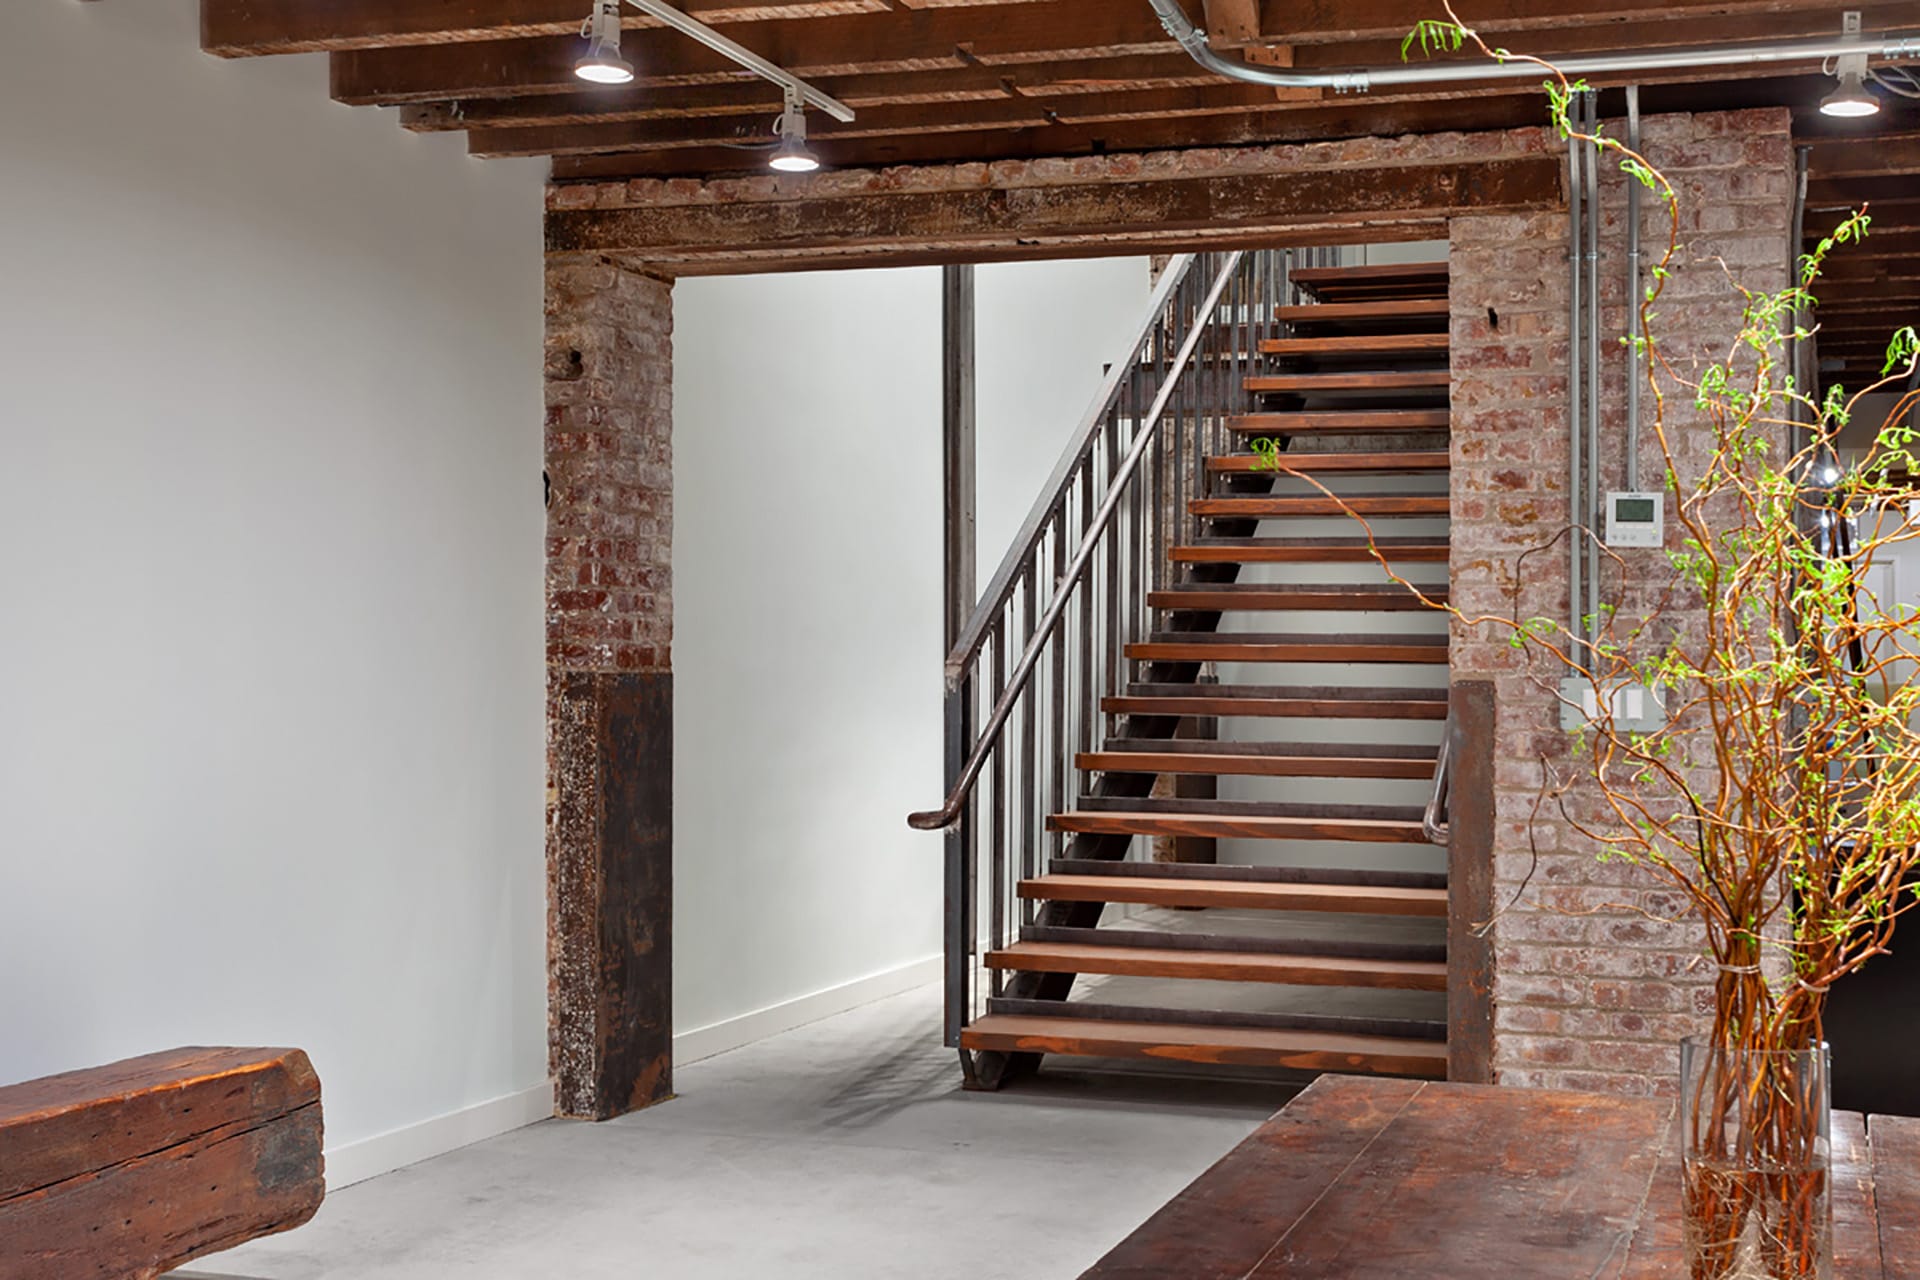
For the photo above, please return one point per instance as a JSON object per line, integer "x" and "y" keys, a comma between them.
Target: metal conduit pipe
{"x": 1893, "y": 46}
{"x": 1634, "y": 371}
{"x": 1594, "y": 521}
{"x": 1576, "y": 232}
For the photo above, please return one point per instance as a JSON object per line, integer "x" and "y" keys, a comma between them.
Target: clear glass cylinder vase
{"x": 1756, "y": 1156}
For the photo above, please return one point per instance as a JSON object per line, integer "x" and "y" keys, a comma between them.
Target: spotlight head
{"x": 791, "y": 155}
{"x": 602, "y": 62}
{"x": 1851, "y": 101}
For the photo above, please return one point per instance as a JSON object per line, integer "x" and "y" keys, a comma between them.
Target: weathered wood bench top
{"x": 1368, "y": 1179}
{"x": 126, "y": 1171}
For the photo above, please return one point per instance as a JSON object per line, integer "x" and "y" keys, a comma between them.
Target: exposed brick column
{"x": 1588, "y": 996}
{"x": 609, "y": 375}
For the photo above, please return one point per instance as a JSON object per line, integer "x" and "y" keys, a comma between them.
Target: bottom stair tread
{"x": 1237, "y": 1046}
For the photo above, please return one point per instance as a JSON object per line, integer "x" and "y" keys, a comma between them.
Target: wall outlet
{"x": 1636, "y": 708}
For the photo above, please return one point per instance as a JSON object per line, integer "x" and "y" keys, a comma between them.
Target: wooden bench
{"x": 1367, "y": 1179}
{"x": 129, "y": 1170}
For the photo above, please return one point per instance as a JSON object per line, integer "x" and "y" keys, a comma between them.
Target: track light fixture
{"x": 1851, "y": 100}
{"x": 602, "y": 63}
{"x": 791, "y": 154}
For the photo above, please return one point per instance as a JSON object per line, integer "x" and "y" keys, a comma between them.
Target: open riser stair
{"x": 1245, "y": 878}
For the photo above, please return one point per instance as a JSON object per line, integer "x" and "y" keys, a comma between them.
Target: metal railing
{"x": 1047, "y": 641}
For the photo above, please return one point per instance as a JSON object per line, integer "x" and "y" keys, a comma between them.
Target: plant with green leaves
{"x": 1781, "y": 799}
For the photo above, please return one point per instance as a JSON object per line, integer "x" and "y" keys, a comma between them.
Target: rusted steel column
{"x": 609, "y": 370}
{"x": 1470, "y": 885}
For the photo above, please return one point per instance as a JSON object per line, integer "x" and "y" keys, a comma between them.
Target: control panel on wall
{"x": 1636, "y": 520}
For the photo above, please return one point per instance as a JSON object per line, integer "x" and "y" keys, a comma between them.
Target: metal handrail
{"x": 999, "y": 588}
{"x": 937, "y": 819}
{"x": 1433, "y": 822}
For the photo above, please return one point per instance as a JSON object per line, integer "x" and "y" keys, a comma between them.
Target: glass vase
{"x": 1756, "y": 1142}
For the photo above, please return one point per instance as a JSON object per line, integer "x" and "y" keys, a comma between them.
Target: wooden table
{"x": 1368, "y": 1179}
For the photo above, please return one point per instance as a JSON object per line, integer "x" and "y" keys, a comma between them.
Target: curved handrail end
{"x": 933, "y": 819}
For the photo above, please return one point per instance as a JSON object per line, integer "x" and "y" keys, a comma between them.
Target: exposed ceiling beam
{"x": 1022, "y": 219}
{"x": 1341, "y": 118}
{"x": 1047, "y": 81}
{"x": 251, "y": 28}
{"x": 1318, "y": 21}
{"x": 821, "y": 47}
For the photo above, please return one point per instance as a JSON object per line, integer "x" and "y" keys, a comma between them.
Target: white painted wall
{"x": 807, "y": 600}
{"x": 270, "y": 652}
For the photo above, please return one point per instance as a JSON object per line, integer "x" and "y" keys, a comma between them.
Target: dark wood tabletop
{"x": 1371, "y": 1179}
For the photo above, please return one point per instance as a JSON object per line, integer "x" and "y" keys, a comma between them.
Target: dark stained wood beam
{"x": 249, "y": 28}
{"x": 1871, "y": 155}
{"x": 1044, "y": 81}
{"x": 1033, "y": 221}
{"x": 913, "y": 119}
{"x": 1882, "y": 191}
{"x": 1346, "y": 118}
{"x": 858, "y": 44}
{"x": 135, "y": 1168}
{"x": 1332, "y": 21}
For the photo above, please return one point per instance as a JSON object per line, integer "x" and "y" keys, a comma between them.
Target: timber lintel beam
{"x": 1039, "y": 221}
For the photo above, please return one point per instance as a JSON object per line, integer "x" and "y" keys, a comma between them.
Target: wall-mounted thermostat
{"x": 1635, "y": 520}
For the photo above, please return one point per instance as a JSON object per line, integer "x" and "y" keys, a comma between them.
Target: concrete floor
{"x": 845, "y": 1149}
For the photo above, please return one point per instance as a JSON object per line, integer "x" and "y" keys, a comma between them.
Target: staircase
{"x": 1247, "y": 877}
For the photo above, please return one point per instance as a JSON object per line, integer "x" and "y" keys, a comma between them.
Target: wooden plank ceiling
{"x": 950, "y": 80}
{"x": 1870, "y": 290}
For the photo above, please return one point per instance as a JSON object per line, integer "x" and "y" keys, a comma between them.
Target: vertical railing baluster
{"x": 997, "y": 838}
{"x": 1057, "y": 691}
{"x": 1029, "y": 834}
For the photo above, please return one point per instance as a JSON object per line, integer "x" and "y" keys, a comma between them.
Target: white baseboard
{"x": 733, "y": 1033}
{"x": 398, "y": 1148}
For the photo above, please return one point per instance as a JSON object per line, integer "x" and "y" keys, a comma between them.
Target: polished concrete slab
{"x": 845, "y": 1149}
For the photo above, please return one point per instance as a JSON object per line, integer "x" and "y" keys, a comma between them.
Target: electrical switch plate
{"x": 1636, "y": 520}
{"x": 1636, "y": 708}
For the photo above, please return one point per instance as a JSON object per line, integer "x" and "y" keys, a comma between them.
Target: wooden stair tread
{"x": 1363, "y": 597}
{"x": 1358, "y": 344}
{"x": 1299, "y": 708}
{"x": 1348, "y": 380}
{"x": 1311, "y": 463}
{"x": 1275, "y": 647}
{"x": 1323, "y": 421}
{"x": 1371, "y": 272}
{"x": 1345, "y": 899}
{"x": 1365, "y": 504}
{"x": 1308, "y": 550}
{"x": 1176, "y": 1042}
{"x": 1222, "y": 966}
{"x": 1248, "y": 873}
{"x": 1237, "y": 826}
{"x": 1353, "y": 703}
{"x": 1254, "y": 764}
{"x": 1381, "y": 309}
{"x": 1332, "y": 750}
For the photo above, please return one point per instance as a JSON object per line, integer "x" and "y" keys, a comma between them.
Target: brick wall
{"x": 609, "y": 363}
{"x": 1588, "y": 995}
{"x": 609, "y": 378}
